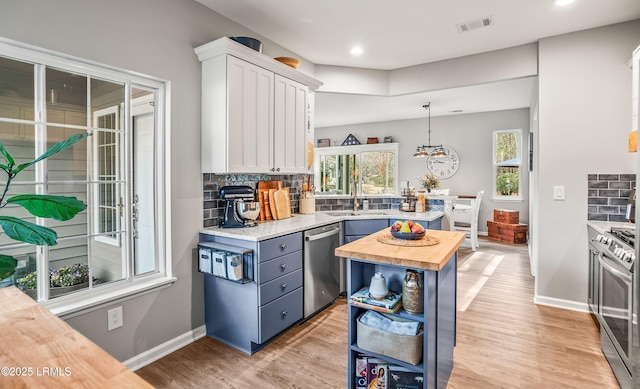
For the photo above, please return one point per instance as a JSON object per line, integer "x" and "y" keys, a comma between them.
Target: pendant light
{"x": 423, "y": 151}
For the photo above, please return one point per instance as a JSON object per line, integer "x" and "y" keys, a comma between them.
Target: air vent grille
{"x": 475, "y": 24}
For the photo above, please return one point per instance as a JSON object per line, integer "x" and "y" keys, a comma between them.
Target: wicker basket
{"x": 404, "y": 348}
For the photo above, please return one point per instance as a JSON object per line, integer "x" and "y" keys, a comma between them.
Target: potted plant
{"x": 61, "y": 281}
{"x": 429, "y": 182}
{"x": 60, "y": 208}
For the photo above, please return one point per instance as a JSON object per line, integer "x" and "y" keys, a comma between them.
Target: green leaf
{"x": 28, "y": 232}
{"x": 7, "y": 266}
{"x": 55, "y": 149}
{"x": 7, "y": 156}
{"x": 56, "y": 207}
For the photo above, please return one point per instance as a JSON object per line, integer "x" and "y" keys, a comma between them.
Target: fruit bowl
{"x": 408, "y": 235}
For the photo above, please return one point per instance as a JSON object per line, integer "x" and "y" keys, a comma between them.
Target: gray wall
{"x": 470, "y": 135}
{"x": 584, "y": 120}
{"x": 154, "y": 37}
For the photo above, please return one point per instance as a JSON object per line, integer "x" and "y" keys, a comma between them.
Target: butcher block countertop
{"x": 421, "y": 257}
{"x": 39, "y": 350}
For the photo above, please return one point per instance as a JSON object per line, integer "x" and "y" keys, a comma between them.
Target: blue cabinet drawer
{"x": 279, "y": 266}
{"x": 364, "y": 227}
{"x": 280, "y": 314}
{"x": 280, "y": 286}
{"x": 432, "y": 225}
{"x": 279, "y": 246}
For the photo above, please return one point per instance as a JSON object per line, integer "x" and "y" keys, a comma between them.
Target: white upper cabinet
{"x": 255, "y": 111}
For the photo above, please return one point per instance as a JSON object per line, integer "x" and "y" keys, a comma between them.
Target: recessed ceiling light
{"x": 357, "y": 50}
{"x": 562, "y": 3}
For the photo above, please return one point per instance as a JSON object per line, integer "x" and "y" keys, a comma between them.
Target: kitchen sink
{"x": 351, "y": 213}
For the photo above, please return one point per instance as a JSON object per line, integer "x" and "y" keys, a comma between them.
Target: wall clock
{"x": 444, "y": 167}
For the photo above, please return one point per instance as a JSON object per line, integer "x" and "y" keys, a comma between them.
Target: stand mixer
{"x": 240, "y": 210}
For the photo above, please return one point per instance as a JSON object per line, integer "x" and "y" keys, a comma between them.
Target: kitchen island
{"x": 369, "y": 255}
{"x": 249, "y": 314}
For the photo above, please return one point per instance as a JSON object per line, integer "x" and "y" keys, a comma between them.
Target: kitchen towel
{"x": 387, "y": 323}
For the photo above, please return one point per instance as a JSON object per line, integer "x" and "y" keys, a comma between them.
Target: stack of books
{"x": 391, "y": 303}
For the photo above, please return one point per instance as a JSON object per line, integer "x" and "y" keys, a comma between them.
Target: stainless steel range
{"x": 613, "y": 262}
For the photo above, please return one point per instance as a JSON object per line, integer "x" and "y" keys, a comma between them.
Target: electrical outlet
{"x": 558, "y": 192}
{"x": 114, "y": 318}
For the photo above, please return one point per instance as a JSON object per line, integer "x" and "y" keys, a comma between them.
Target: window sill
{"x": 508, "y": 199}
{"x": 74, "y": 305}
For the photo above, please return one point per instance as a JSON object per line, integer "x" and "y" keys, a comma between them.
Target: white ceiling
{"x": 411, "y": 32}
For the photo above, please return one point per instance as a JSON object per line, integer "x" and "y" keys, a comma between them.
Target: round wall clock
{"x": 444, "y": 167}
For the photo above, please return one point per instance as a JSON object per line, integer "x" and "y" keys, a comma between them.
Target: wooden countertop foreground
{"x": 421, "y": 257}
{"x": 39, "y": 350}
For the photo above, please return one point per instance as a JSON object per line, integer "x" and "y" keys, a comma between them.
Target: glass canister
{"x": 413, "y": 291}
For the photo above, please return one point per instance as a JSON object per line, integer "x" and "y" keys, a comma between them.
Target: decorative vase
{"x": 413, "y": 292}
{"x": 378, "y": 287}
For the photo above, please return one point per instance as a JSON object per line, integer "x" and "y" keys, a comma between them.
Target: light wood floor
{"x": 504, "y": 341}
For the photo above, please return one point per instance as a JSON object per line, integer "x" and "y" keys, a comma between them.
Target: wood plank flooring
{"x": 504, "y": 341}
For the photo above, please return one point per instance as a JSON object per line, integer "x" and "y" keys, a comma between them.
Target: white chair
{"x": 465, "y": 217}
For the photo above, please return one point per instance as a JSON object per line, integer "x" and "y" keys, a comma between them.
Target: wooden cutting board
{"x": 272, "y": 204}
{"x": 281, "y": 198}
{"x": 263, "y": 198}
{"x": 265, "y": 209}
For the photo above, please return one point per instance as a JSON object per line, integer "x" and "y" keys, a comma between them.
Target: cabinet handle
{"x": 278, "y": 169}
{"x": 283, "y": 246}
{"x": 283, "y": 266}
{"x": 283, "y": 286}
{"x": 284, "y": 314}
{"x": 273, "y": 169}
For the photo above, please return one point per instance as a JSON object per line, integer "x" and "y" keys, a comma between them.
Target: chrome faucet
{"x": 354, "y": 194}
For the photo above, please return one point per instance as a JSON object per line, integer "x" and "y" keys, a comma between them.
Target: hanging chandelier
{"x": 423, "y": 151}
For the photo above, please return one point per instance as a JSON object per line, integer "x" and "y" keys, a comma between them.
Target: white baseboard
{"x": 166, "y": 348}
{"x": 559, "y": 303}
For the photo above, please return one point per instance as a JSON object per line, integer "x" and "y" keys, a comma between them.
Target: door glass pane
{"x": 144, "y": 201}
{"x": 78, "y": 225}
{"x": 26, "y": 257}
{"x": 69, "y": 164}
{"x": 105, "y": 94}
{"x": 66, "y": 93}
{"x": 16, "y": 89}
{"x": 108, "y": 262}
{"x": 20, "y": 147}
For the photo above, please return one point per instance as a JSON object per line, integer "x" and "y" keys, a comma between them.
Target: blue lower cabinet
{"x": 247, "y": 316}
{"x": 280, "y": 314}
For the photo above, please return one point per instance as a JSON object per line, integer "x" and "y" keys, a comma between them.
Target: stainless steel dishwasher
{"x": 321, "y": 267}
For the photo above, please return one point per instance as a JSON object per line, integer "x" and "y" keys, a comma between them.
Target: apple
{"x": 417, "y": 229}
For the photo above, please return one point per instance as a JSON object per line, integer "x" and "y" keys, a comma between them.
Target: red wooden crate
{"x": 506, "y": 216}
{"x": 509, "y": 233}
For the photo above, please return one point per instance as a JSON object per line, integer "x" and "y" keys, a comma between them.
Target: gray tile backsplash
{"x": 213, "y": 205}
{"x": 608, "y": 195}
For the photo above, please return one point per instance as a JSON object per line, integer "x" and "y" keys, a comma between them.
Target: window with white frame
{"x": 507, "y": 163}
{"x": 119, "y": 244}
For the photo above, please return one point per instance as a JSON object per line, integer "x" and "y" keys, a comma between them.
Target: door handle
{"x": 311, "y": 238}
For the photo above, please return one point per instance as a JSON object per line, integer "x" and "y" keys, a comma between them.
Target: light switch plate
{"x": 558, "y": 192}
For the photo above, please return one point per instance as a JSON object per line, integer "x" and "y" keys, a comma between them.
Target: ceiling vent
{"x": 475, "y": 24}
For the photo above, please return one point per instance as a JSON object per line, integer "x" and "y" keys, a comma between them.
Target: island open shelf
{"x": 439, "y": 262}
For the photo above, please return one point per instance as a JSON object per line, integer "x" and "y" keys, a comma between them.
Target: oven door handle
{"x": 625, "y": 277}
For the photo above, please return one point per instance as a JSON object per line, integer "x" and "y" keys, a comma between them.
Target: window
{"x": 121, "y": 239}
{"x": 507, "y": 163}
{"x": 375, "y": 166}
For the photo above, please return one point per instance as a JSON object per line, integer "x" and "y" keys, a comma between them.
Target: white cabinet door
{"x": 250, "y": 117}
{"x": 290, "y": 107}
